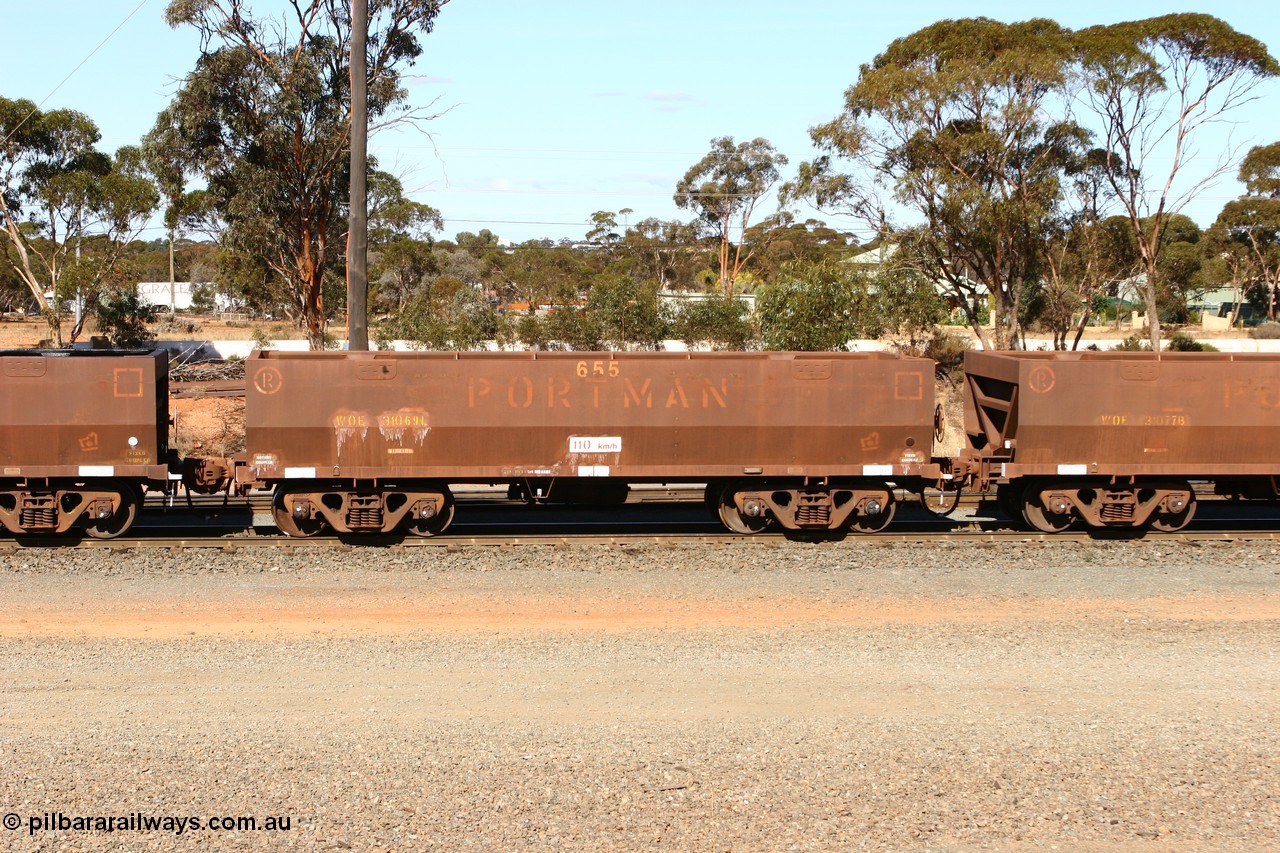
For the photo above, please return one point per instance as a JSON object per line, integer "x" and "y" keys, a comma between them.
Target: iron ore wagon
{"x": 372, "y": 442}
{"x": 83, "y": 435}
{"x": 1117, "y": 438}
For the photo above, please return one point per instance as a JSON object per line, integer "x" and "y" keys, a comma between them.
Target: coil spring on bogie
{"x": 1116, "y": 512}
{"x": 812, "y": 513}
{"x": 38, "y": 512}
{"x": 365, "y": 513}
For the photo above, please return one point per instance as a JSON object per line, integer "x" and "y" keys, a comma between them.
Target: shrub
{"x": 1177, "y": 342}
{"x": 1182, "y": 342}
{"x": 1265, "y": 331}
{"x": 945, "y": 348}
{"x": 123, "y": 317}
{"x": 726, "y": 324}
{"x": 1133, "y": 343}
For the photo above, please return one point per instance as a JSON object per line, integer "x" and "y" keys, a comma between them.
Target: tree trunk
{"x": 1153, "y": 311}
{"x": 1084, "y": 321}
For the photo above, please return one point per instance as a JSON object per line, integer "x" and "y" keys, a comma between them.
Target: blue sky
{"x": 554, "y": 110}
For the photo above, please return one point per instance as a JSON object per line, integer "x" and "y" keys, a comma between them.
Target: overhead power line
{"x": 73, "y": 71}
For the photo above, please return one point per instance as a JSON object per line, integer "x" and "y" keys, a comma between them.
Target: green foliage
{"x": 571, "y": 327}
{"x": 1133, "y": 343}
{"x": 668, "y": 254}
{"x": 1243, "y": 247}
{"x": 532, "y": 332}
{"x": 956, "y": 116}
{"x": 123, "y": 317}
{"x": 725, "y": 324}
{"x": 723, "y": 189}
{"x": 1177, "y": 342}
{"x": 1183, "y": 342}
{"x": 461, "y": 321}
{"x": 817, "y": 308}
{"x": 486, "y": 239}
{"x": 1260, "y": 171}
{"x": 538, "y": 275}
{"x": 1151, "y": 85}
{"x": 57, "y": 191}
{"x": 782, "y": 240}
{"x": 263, "y": 118}
{"x": 203, "y": 298}
{"x": 908, "y": 302}
{"x": 260, "y": 339}
{"x": 627, "y": 312}
{"x": 1178, "y": 267}
{"x": 394, "y": 217}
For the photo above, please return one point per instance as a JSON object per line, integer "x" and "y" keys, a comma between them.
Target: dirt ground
{"x": 27, "y": 333}
{"x": 207, "y": 426}
{"x": 274, "y": 613}
{"x": 1109, "y": 696}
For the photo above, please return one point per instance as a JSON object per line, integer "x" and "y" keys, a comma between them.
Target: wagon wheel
{"x": 735, "y": 520}
{"x": 299, "y": 528}
{"x": 435, "y": 525}
{"x": 1009, "y": 499}
{"x": 1039, "y": 516}
{"x": 120, "y": 520}
{"x": 1168, "y": 522}
{"x": 874, "y": 523}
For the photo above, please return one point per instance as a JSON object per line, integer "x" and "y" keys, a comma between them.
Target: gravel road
{"x": 1106, "y": 696}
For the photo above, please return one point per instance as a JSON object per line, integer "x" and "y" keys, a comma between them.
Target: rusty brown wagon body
{"x": 82, "y": 435}
{"x": 1116, "y": 438}
{"x": 371, "y": 441}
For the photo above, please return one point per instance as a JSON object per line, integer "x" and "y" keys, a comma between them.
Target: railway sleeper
{"x": 1050, "y": 507}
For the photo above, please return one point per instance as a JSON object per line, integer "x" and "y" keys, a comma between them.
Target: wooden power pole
{"x": 358, "y": 216}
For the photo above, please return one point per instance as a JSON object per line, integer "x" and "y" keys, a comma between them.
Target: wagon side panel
{"x": 511, "y": 415}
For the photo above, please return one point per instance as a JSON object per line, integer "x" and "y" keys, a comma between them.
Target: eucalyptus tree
{"x": 1087, "y": 255}
{"x": 604, "y": 232}
{"x": 723, "y": 322}
{"x": 264, "y": 118}
{"x": 1256, "y": 218}
{"x": 400, "y": 245}
{"x": 68, "y": 211}
{"x": 955, "y": 120}
{"x": 627, "y": 311}
{"x": 667, "y": 253}
{"x": 786, "y": 240}
{"x": 163, "y": 155}
{"x": 1260, "y": 171}
{"x": 723, "y": 189}
{"x": 818, "y": 307}
{"x": 1086, "y": 263}
{"x": 1151, "y": 86}
{"x": 1247, "y": 233}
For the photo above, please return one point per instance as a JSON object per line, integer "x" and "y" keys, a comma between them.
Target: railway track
{"x": 653, "y": 515}
{"x": 192, "y": 539}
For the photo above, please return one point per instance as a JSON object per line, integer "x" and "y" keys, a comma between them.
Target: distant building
{"x": 872, "y": 260}
{"x": 1216, "y": 307}
{"x": 162, "y": 295}
{"x": 682, "y": 297}
{"x": 181, "y": 296}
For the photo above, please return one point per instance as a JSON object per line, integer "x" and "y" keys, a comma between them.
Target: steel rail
{"x": 459, "y": 542}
